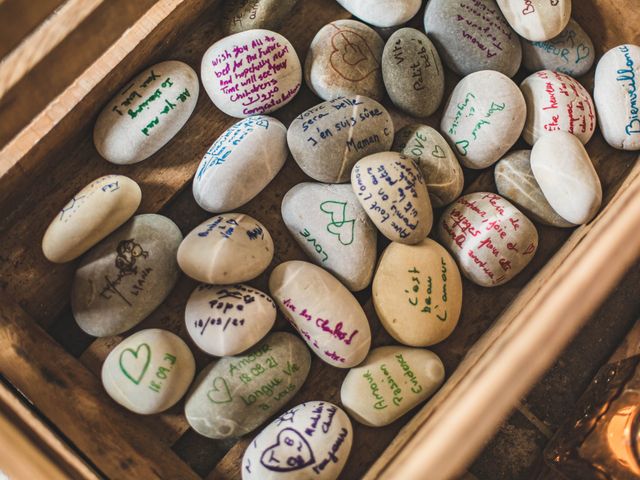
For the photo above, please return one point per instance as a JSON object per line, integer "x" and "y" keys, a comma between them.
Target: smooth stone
{"x": 491, "y": 240}
{"x": 566, "y": 176}
{"x": 334, "y": 231}
{"x": 390, "y": 382}
{"x": 148, "y": 372}
{"x": 556, "y": 101}
{"x": 323, "y": 311}
{"x": 241, "y": 15}
{"x": 126, "y": 276}
{"x": 327, "y": 140}
{"x": 92, "y": 214}
{"x": 344, "y": 61}
{"x": 516, "y": 182}
{"x": 251, "y": 73}
{"x": 413, "y": 73}
{"x": 473, "y": 35}
{"x": 617, "y": 85}
{"x": 228, "y": 320}
{"x": 382, "y": 14}
{"x": 147, "y": 112}
{"x": 226, "y": 249}
{"x": 536, "y": 20}
{"x": 483, "y": 118}
{"x": 311, "y": 440}
{"x": 240, "y": 164}
{"x": 572, "y": 52}
{"x": 392, "y": 190}
{"x": 235, "y": 395}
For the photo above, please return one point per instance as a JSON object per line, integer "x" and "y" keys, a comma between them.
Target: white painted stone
{"x": 382, "y": 14}
{"x": 536, "y": 20}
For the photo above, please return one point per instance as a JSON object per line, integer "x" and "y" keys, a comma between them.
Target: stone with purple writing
{"x": 251, "y": 73}
{"x": 536, "y": 20}
{"x": 382, "y": 14}
{"x": 235, "y": 395}
{"x": 323, "y": 311}
{"x": 121, "y": 280}
{"x": 147, "y": 113}
{"x": 241, "y": 15}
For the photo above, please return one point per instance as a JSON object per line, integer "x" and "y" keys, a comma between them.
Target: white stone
{"x": 382, "y": 14}
{"x": 536, "y": 20}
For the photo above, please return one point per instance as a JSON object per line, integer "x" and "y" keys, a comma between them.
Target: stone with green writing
{"x": 390, "y": 382}
{"x": 334, "y": 231}
{"x": 125, "y": 277}
{"x": 241, "y": 15}
{"x": 149, "y": 372}
{"x": 235, "y": 395}
{"x": 146, "y": 113}
{"x": 536, "y": 20}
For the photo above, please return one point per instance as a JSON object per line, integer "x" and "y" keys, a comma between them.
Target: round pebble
{"x": 537, "y": 20}
{"x": 382, "y": 14}
{"x": 241, "y": 15}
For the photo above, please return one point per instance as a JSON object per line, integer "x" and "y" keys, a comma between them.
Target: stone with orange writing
{"x": 536, "y": 20}
{"x": 386, "y": 14}
{"x": 241, "y": 15}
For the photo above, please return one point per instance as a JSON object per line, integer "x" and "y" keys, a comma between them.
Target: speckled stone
{"x": 241, "y": 15}
{"x": 536, "y": 20}
{"x": 382, "y": 14}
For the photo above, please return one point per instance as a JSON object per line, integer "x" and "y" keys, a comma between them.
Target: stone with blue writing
{"x": 310, "y": 440}
{"x": 536, "y": 20}
{"x": 616, "y": 93}
{"x": 147, "y": 112}
{"x": 240, "y": 164}
{"x": 241, "y": 15}
{"x": 235, "y": 395}
{"x": 126, "y": 276}
{"x": 251, "y": 73}
{"x": 483, "y": 118}
{"x": 390, "y": 382}
{"x": 382, "y": 14}
{"x": 226, "y": 249}
{"x": 149, "y": 372}
{"x": 327, "y": 140}
{"x": 323, "y": 311}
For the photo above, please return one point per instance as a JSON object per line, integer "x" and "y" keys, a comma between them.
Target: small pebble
{"x": 536, "y": 20}
{"x": 382, "y": 14}
{"x": 241, "y": 15}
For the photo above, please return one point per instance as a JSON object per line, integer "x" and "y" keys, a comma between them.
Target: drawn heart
{"x": 220, "y": 392}
{"x": 134, "y": 363}
{"x": 582, "y": 52}
{"x": 339, "y": 225}
{"x": 290, "y": 452}
{"x": 463, "y": 146}
{"x": 351, "y": 57}
{"x": 438, "y": 152}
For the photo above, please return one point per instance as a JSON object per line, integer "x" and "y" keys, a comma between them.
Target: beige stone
{"x": 536, "y": 20}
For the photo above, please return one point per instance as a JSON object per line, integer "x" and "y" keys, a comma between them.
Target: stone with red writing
{"x": 344, "y": 61}
{"x": 537, "y": 20}
{"x": 390, "y": 382}
{"x": 491, "y": 240}
{"x": 483, "y": 118}
{"x": 121, "y": 280}
{"x": 311, "y": 440}
{"x": 251, "y": 73}
{"x": 241, "y": 15}
{"x": 556, "y": 101}
{"x": 226, "y": 249}
{"x": 382, "y": 14}
{"x": 323, "y": 311}
{"x": 147, "y": 113}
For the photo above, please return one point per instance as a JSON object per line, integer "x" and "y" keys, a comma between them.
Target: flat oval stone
{"x": 472, "y": 35}
{"x": 235, "y": 395}
{"x": 126, "y": 276}
{"x": 251, "y": 73}
{"x": 241, "y": 15}
{"x": 382, "y": 14}
{"x": 556, "y": 101}
{"x": 413, "y": 73}
{"x": 329, "y": 224}
{"x": 566, "y": 176}
{"x": 228, "y": 320}
{"x": 147, "y": 112}
{"x": 240, "y": 164}
{"x": 226, "y": 249}
{"x": 389, "y": 383}
{"x": 92, "y": 214}
{"x": 311, "y": 440}
{"x": 149, "y": 371}
{"x": 483, "y": 118}
{"x": 393, "y": 192}
{"x": 344, "y": 61}
{"x": 536, "y": 20}
{"x": 323, "y": 311}
{"x": 617, "y": 85}
{"x": 327, "y": 140}
{"x": 491, "y": 240}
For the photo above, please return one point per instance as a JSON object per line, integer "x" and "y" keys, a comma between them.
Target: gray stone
{"x": 389, "y": 13}
{"x": 241, "y": 15}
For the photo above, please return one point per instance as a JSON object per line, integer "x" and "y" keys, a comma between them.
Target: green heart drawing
{"x": 339, "y": 225}
{"x": 136, "y": 370}
{"x": 220, "y": 392}
{"x": 438, "y": 152}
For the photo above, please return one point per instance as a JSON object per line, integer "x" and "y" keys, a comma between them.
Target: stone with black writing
{"x": 473, "y": 35}
{"x": 147, "y": 113}
{"x": 323, "y": 311}
{"x": 483, "y": 118}
{"x": 490, "y": 239}
{"x": 329, "y": 224}
{"x": 310, "y": 440}
{"x": 251, "y": 73}
{"x": 536, "y": 20}
{"x": 240, "y": 164}
{"x": 327, "y": 140}
{"x": 149, "y": 372}
{"x": 235, "y": 395}
{"x": 382, "y": 14}
{"x": 344, "y": 61}
{"x": 121, "y": 280}
{"x": 390, "y": 382}
{"x": 226, "y": 249}
{"x": 241, "y": 15}
{"x": 92, "y": 214}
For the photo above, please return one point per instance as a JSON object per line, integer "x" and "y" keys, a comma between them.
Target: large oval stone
{"x": 536, "y": 20}
{"x": 241, "y": 15}
{"x": 382, "y": 14}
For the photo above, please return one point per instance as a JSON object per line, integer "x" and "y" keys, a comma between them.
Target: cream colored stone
{"x": 536, "y": 20}
{"x": 382, "y": 14}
